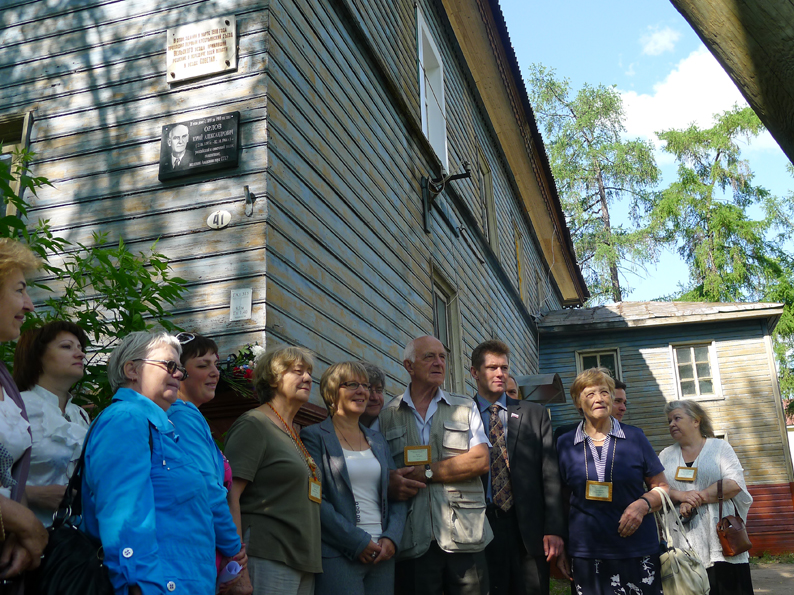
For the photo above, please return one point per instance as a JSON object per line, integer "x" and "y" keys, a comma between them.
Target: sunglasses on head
{"x": 184, "y": 338}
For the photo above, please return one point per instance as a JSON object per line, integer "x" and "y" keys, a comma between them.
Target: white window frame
{"x": 717, "y": 395}
{"x": 24, "y": 121}
{"x": 431, "y": 69}
{"x": 487, "y": 203}
{"x": 590, "y": 352}
{"x": 444, "y": 290}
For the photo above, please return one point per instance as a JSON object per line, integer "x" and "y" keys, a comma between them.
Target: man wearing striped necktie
{"x": 524, "y": 502}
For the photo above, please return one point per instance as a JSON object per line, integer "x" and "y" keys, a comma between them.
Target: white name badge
{"x": 686, "y": 473}
{"x": 417, "y": 455}
{"x": 315, "y": 491}
{"x": 599, "y": 490}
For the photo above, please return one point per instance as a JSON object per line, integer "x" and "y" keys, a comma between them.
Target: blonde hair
{"x": 696, "y": 412}
{"x": 269, "y": 369}
{"x": 16, "y": 256}
{"x": 591, "y": 377}
{"x": 333, "y": 378}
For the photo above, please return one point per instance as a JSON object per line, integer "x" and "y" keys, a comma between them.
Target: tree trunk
{"x": 617, "y": 296}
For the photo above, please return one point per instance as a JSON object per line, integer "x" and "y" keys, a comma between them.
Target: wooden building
{"x": 718, "y": 354}
{"x": 347, "y": 109}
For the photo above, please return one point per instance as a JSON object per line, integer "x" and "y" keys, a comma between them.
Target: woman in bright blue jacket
{"x": 142, "y": 495}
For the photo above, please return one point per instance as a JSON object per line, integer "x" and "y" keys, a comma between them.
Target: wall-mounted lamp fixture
{"x": 432, "y": 188}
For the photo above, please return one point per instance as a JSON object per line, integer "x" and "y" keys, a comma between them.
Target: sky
{"x": 666, "y": 76}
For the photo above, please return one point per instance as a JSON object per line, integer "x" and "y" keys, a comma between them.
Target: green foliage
{"x": 594, "y": 167}
{"x": 728, "y": 230}
{"x": 106, "y": 289}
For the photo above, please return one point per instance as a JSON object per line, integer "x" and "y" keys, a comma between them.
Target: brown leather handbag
{"x": 731, "y": 531}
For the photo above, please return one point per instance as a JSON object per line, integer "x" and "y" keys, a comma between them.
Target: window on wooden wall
{"x": 431, "y": 90}
{"x": 606, "y": 358}
{"x": 446, "y": 328}
{"x": 489, "y": 227}
{"x": 540, "y": 288}
{"x": 14, "y": 133}
{"x": 520, "y": 266}
{"x": 696, "y": 373}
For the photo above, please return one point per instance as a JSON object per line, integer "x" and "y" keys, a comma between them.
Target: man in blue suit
{"x": 523, "y": 492}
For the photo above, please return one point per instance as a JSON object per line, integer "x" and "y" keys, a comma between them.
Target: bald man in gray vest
{"x": 440, "y": 449}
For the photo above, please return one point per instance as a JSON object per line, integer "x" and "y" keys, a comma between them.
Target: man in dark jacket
{"x": 524, "y": 503}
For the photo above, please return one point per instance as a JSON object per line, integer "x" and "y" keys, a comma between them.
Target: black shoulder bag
{"x": 73, "y": 561}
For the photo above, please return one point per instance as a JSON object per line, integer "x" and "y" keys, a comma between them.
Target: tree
{"x": 106, "y": 289}
{"x": 594, "y": 167}
{"x": 730, "y": 231}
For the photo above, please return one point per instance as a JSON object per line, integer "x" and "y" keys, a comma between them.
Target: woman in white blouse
{"x": 48, "y": 361}
{"x": 693, "y": 466}
{"x": 16, "y": 261}
{"x": 360, "y": 526}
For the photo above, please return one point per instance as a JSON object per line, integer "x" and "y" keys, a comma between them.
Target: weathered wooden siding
{"x": 748, "y": 415}
{"x": 93, "y": 73}
{"x": 349, "y": 265}
{"x": 331, "y": 145}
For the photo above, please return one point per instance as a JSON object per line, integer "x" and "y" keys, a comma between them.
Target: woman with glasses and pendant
{"x": 143, "y": 496}
{"x": 610, "y": 469}
{"x": 200, "y": 360}
{"x": 360, "y": 526}
{"x": 48, "y": 361}
{"x": 276, "y": 491}
{"x": 693, "y": 466}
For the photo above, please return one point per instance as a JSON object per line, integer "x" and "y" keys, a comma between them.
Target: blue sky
{"x": 665, "y": 74}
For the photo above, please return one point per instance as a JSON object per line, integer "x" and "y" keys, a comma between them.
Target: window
{"x": 431, "y": 90}
{"x": 14, "y": 131}
{"x": 446, "y": 328}
{"x": 695, "y": 370}
{"x": 541, "y": 289}
{"x": 609, "y": 359}
{"x": 489, "y": 228}
{"x": 522, "y": 289}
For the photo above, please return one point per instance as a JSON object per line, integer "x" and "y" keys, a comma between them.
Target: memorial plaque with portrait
{"x": 200, "y": 145}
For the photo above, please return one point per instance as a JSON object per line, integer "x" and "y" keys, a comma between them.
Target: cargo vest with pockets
{"x": 453, "y": 514}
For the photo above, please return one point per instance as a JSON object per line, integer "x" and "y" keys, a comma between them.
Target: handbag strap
{"x": 661, "y": 516}
{"x": 719, "y": 495}
{"x": 72, "y": 503}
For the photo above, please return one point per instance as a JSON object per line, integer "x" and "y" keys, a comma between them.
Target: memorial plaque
{"x": 196, "y": 146}
{"x": 199, "y": 49}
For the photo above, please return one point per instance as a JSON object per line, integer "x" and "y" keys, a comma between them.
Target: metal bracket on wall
{"x": 430, "y": 191}
{"x": 250, "y": 197}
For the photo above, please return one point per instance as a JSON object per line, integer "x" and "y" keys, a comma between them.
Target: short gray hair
{"x": 409, "y": 353}
{"x": 696, "y": 412}
{"x": 374, "y": 374}
{"x": 136, "y": 345}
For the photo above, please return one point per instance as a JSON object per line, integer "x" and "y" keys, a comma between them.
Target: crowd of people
{"x": 428, "y": 493}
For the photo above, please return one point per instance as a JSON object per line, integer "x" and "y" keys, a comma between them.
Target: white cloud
{"x": 630, "y": 71}
{"x": 658, "y": 41}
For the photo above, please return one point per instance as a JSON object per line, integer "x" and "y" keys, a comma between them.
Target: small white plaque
{"x": 219, "y": 219}
{"x": 199, "y": 49}
{"x": 240, "y": 304}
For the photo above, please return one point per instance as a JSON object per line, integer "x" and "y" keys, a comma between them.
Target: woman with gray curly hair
{"x": 142, "y": 496}
{"x": 276, "y": 491}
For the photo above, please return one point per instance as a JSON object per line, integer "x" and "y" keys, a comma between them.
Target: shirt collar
{"x": 49, "y": 397}
{"x": 484, "y": 404}
{"x": 152, "y": 410}
{"x": 615, "y": 431}
{"x": 439, "y": 396}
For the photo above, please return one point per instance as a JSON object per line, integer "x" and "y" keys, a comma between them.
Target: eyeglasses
{"x": 355, "y": 385}
{"x": 184, "y": 338}
{"x": 171, "y": 366}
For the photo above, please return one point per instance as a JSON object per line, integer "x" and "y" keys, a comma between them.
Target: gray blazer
{"x": 341, "y": 536}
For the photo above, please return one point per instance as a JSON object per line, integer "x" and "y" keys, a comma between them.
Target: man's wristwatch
{"x": 428, "y": 473}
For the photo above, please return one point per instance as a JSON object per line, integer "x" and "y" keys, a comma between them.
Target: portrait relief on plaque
{"x": 199, "y": 145}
